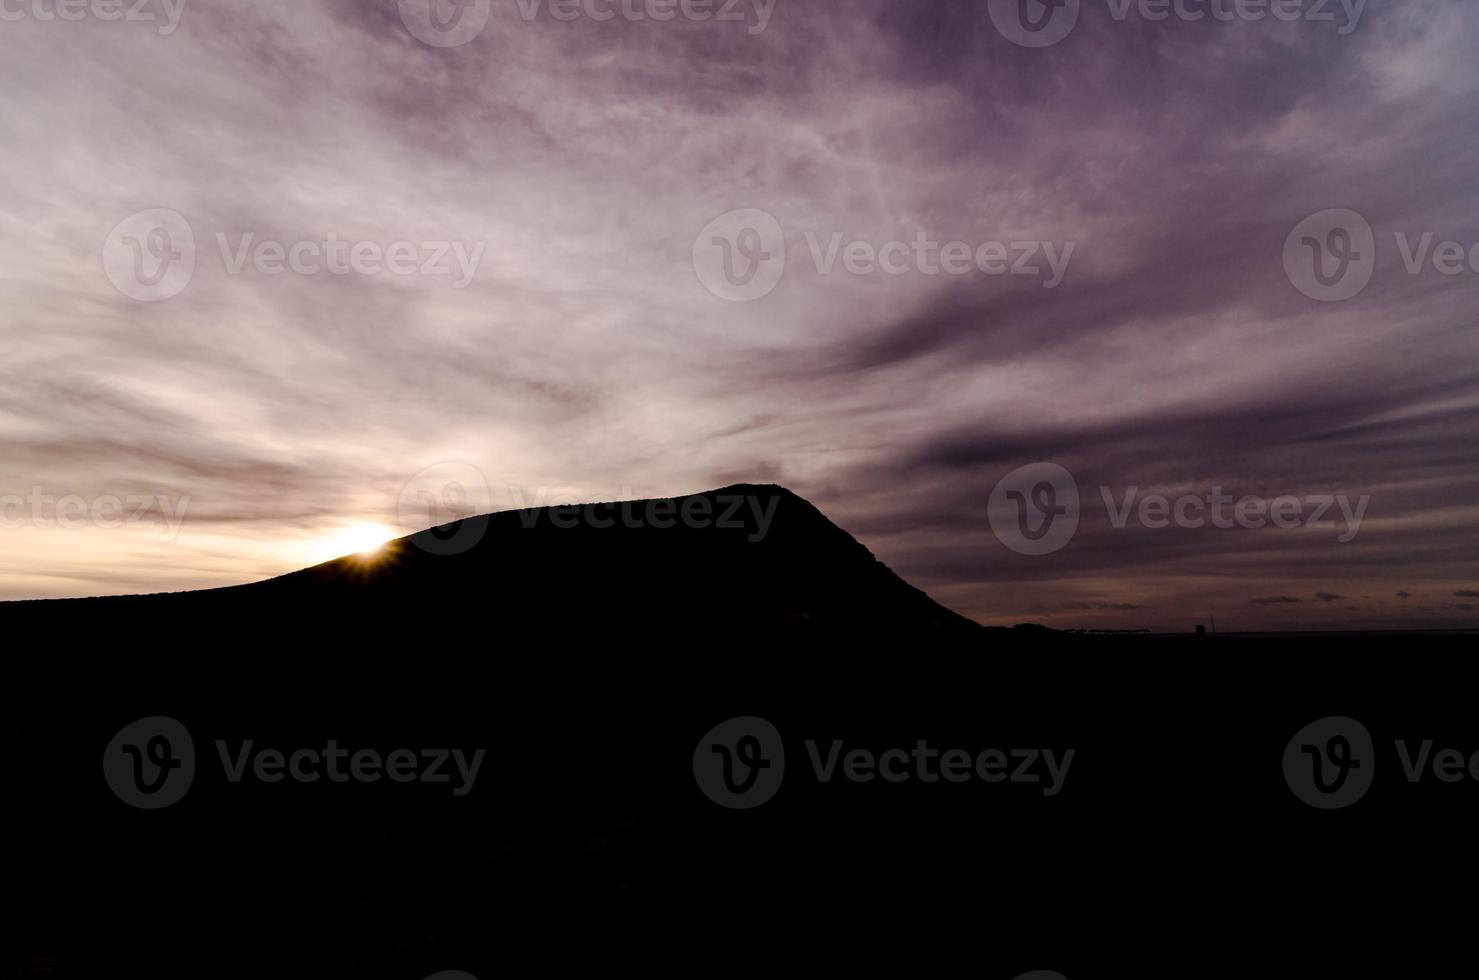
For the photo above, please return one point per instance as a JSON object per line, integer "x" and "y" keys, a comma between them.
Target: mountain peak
{"x": 747, "y": 558}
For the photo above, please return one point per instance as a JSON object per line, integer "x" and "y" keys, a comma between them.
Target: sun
{"x": 360, "y": 540}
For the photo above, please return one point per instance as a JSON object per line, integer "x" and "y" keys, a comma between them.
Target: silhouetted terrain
{"x": 745, "y": 559}
{"x": 588, "y": 840}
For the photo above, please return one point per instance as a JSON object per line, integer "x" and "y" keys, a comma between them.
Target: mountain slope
{"x": 746, "y": 559}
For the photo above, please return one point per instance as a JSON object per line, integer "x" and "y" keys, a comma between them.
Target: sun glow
{"x": 359, "y": 540}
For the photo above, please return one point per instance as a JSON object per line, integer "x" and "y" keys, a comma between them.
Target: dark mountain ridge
{"x": 747, "y": 559}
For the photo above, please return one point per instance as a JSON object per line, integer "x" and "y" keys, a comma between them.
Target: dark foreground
{"x": 1110, "y": 806}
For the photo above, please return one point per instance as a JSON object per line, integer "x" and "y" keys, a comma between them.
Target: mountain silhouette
{"x": 742, "y": 560}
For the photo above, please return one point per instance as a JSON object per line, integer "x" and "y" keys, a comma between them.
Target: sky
{"x": 278, "y": 276}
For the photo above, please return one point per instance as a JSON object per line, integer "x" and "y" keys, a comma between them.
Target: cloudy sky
{"x": 550, "y": 300}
